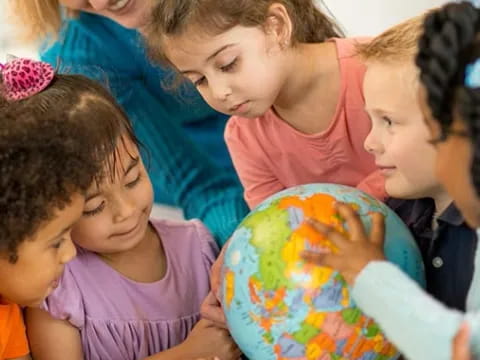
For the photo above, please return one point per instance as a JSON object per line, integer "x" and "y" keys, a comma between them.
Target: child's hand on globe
{"x": 354, "y": 252}
{"x": 207, "y": 341}
{"x": 211, "y": 308}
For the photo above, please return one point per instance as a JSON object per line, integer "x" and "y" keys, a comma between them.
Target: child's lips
{"x": 239, "y": 107}
{"x": 385, "y": 170}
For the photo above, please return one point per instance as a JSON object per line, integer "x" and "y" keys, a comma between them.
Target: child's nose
{"x": 69, "y": 252}
{"x": 220, "y": 90}
{"x": 124, "y": 207}
{"x": 371, "y": 144}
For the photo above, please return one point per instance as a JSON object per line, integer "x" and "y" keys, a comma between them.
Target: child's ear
{"x": 279, "y": 24}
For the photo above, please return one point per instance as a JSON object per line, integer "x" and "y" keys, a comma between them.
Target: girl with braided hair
{"x": 449, "y": 62}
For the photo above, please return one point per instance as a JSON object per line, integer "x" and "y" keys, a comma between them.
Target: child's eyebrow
{"x": 184, "y": 72}
{"x": 378, "y": 111}
{"x": 219, "y": 51}
{"x": 91, "y": 196}
{"x": 61, "y": 233}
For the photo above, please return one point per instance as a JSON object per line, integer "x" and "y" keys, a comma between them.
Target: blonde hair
{"x": 173, "y": 17}
{"x": 38, "y": 19}
{"x": 397, "y": 44}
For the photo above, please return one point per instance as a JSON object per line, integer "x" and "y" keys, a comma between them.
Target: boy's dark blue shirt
{"x": 448, "y": 252}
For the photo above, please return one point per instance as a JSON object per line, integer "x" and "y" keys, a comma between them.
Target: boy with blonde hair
{"x": 399, "y": 140}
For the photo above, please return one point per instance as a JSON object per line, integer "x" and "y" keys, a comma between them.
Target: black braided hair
{"x": 449, "y": 43}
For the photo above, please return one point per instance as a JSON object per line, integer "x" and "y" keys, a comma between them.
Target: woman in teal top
{"x": 183, "y": 137}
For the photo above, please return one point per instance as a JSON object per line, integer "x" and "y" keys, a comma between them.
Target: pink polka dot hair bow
{"x": 23, "y": 78}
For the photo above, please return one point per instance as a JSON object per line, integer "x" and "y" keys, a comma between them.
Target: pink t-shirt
{"x": 269, "y": 155}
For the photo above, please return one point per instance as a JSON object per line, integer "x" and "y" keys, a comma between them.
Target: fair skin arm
{"x": 211, "y": 308}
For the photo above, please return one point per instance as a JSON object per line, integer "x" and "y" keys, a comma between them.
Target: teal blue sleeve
{"x": 421, "y": 327}
{"x": 176, "y": 165}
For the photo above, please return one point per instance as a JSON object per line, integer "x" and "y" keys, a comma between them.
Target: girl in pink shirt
{"x": 292, "y": 86}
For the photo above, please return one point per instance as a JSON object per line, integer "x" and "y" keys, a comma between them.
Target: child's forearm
{"x": 26, "y": 357}
{"x": 420, "y": 326}
{"x": 174, "y": 353}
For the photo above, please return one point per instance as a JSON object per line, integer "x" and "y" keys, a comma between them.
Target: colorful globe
{"x": 279, "y": 307}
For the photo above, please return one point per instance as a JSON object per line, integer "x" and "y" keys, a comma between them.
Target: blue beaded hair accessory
{"x": 475, "y": 3}
{"x": 472, "y": 75}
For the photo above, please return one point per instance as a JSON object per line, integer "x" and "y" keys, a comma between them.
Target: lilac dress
{"x": 121, "y": 319}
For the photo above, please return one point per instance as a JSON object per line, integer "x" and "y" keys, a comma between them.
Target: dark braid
{"x": 449, "y": 43}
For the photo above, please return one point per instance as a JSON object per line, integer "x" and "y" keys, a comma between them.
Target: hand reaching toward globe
{"x": 461, "y": 344}
{"x": 216, "y": 271}
{"x": 354, "y": 252}
{"x": 207, "y": 341}
{"x": 211, "y": 308}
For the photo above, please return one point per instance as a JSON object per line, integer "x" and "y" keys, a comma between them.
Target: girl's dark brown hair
{"x": 173, "y": 17}
{"x": 52, "y": 146}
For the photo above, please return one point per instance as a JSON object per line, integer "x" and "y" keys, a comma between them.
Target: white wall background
{"x": 370, "y": 17}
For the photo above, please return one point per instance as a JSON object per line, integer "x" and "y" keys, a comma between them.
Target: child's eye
{"x": 200, "y": 81}
{"x": 58, "y": 244}
{"x": 387, "y": 120}
{"x": 230, "y": 66}
{"x": 134, "y": 182}
{"x": 95, "y": 211}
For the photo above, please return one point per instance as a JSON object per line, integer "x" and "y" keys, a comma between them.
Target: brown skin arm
{"x": 52, "y": 339}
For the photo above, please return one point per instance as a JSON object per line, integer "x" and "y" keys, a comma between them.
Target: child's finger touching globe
{"x": 328, "y": 232}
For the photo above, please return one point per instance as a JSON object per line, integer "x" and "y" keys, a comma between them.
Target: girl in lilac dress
{"x": 135, "y": 288}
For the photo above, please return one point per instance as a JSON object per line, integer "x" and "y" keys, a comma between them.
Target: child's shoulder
{"x": 347, "y": 47}
{"x": 188, "y": 228}
{"x": 183, "y": 236}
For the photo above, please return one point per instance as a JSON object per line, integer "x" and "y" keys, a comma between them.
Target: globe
{"x": 279, "y": 307}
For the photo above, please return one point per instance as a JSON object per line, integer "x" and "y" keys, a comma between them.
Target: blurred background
{"x": 357, "y": 17}
{"x": 370, "y": 17}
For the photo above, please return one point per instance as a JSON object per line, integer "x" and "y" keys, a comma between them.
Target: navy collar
{"x": 452, "y": 216}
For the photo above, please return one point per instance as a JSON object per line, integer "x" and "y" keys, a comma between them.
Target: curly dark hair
{"x": 450, "y": 42}
{"x": 52, "y": 146}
